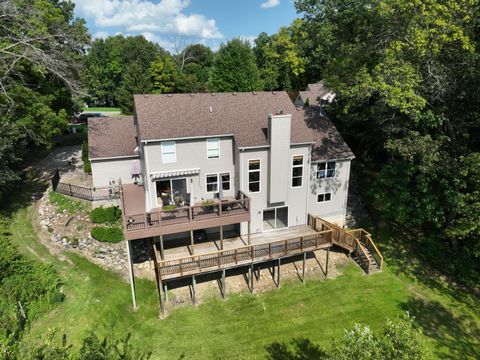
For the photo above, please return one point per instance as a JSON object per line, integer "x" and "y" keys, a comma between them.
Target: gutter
{"x": 114, "y": 157}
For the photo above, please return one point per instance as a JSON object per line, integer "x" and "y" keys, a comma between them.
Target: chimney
{"x": 279, "y": 156}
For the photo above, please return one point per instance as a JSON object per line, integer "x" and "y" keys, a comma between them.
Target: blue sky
{"x": 166, "y": 21}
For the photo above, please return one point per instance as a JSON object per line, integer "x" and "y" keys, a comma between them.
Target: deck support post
{"x": 194, "y": 286}
{"x": 303, "y": 268}
{"x": 132, "y": 277}
{"x": 162, "y": 297}
{"x": 165, "y": 291}
{"x": 250, "y": 278}
{"x": 248, "y": 238}
{"x": 162, "y": 251}
{"x": 278, "y": 273}
{"x": 221, "y": 237}
{"x": 192, "y": 249}
{"x": 326, "y": 263}
{"x": 223, "y": 284}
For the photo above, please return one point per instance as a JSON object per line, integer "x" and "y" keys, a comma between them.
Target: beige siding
{"x": 107, "y": 172}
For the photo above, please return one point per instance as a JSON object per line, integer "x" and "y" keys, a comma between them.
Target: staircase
{"x": 358, "y": 242}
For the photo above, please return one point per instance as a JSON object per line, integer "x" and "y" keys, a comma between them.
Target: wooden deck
{"x": 263, "y": 247}
{"x": 139, "y": 224}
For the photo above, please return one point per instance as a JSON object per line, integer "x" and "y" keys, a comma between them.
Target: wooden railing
{"x": 187, "y": 214}
{"x": 353, "y": 240}
{"x": 196, "y": 264}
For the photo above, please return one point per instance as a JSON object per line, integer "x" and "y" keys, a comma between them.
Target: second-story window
{"x": 212, "y": 183}
{"x": 169, "y": 154}
{"x": 254, "y": 176}
{"x": 213, "y": 148}
{"x": 297, "y": 171}
{"x": 325, "y": 169}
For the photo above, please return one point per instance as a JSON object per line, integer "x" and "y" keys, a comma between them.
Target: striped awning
{"x": 174, "y": 173}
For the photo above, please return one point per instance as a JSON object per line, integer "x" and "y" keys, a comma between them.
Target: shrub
{"x": 169, "y": 207}
{"x": 107, "y": 234}
{"x": 102, "y": 215}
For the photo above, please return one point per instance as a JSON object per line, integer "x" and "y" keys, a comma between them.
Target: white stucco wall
{"x": 296, "y": 197}
{"x": 335, "y": 209}
{"x": 192, "y": 154}
{"x": 108, "y": 171}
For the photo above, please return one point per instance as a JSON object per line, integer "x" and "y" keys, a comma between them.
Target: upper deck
{"x": 139, "y": 224}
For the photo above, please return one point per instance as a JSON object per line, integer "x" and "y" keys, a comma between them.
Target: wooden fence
{"x": 82, "y": 192}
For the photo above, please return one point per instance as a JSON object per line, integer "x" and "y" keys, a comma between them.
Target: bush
{"x": 109, "y": 215}
{"x": 107, "y": 234}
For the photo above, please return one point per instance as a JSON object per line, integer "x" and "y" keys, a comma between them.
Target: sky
{"x": 165, "y": 22}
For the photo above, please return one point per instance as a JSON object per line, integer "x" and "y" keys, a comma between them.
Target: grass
{"x": 62, "y": 203}
{"x": 244, "y": 325}
{"x": 101, "y": 109}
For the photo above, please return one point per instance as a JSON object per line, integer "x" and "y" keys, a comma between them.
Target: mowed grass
{"x": 101, "y": 109}
{"x": 244, "y": 325}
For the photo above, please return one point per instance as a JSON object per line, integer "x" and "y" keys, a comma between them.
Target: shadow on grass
{"x": 459, "y": 334}
{"x": 297, "y": 349}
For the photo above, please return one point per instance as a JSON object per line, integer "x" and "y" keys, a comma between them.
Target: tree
{"x": 403, "y": 75}
{"x": 234, "y": 68}
{"x": 400, "y": 340}
{"x": 164, "y": 74}
{"x": 135, "y": 81}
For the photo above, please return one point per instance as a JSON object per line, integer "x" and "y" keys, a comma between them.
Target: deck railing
{"x": 188, "y": 214}
{"x": 196, "y": 264}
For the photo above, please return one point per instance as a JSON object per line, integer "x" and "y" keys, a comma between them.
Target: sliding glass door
{"x": 172, "y": 192}
{"x": 276, "y": 218}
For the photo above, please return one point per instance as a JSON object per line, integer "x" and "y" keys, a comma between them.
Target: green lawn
{"x": 101, "y": 109}
{"x": 244, "y": 325}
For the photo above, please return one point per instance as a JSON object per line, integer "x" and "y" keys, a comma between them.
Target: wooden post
{"x": 250, "y": 278}
{"x": 223, "y": 284}
{"x": 162, "y": 250}
{"x": 165, "y": 290}
{"x": 162, "y": 299}
{"x": 303, "y": 269}
{"x": 194, "y": 284}
{"x": 278, "y": 273}
{"x": 191, "y": 243}
{"x": 326, "y": 265}
{"x": 248, "y": 239}
{"x": 132, "y": 278}
{"x": 221, "y": 237}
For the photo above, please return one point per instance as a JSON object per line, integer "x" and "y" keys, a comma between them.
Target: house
{"x": 315, "y": 94}
{"x": 223, "y": 174}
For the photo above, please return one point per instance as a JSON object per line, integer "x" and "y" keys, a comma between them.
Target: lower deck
{"x": 182, "y": 247}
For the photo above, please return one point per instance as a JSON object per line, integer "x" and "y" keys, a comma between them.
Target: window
{"x": 324, "y": 197}
{"x": 213, "y": 148}
{"x": 212, "y": 183}
{"x": 325, "y": 169}
{"x": 254, "y": 176}
{"x": 169, "y": 154}
{"x": 225, "y": 178}
{"x": 297, "y": 171}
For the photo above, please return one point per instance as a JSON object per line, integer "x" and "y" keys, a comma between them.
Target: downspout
{"x": 346, "y": 197}
{"x": 309, "y": 167}
{"x": 147, "y": 177}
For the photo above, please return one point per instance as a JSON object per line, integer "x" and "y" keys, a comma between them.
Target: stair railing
{"x": 362, "y": 256}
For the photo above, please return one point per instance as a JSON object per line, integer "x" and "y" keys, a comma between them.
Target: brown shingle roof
{"x": 313, "y": 92}
{"x": 111, "y": 137}
{"x": 329, "y": 144}
{"x": 169, "y": 116}
{"x": 244, "y": 115}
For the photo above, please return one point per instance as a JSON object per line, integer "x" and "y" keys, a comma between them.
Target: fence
{"x": 82, "y": 192}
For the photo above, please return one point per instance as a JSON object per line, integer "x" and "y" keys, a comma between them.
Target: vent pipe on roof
{"x": 211, "y": 109}
{"x": 234, "y": 94}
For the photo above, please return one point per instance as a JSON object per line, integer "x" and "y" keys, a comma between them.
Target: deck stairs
{"x": 358, "y": 242}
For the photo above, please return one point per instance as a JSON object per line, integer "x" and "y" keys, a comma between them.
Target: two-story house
{"x": 199, "y": 166}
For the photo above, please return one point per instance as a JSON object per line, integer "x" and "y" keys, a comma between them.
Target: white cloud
{"x": 249, "y": 38}
{"x": 270, "y": 4}
{"x": 165, "y": 17}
